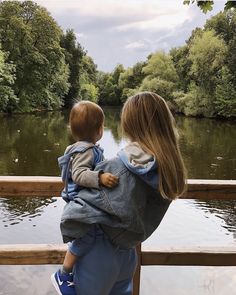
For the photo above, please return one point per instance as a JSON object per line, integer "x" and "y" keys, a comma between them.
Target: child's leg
{"x": 69, "y": 262}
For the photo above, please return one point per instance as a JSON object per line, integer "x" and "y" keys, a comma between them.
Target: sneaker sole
{"x": 54, "y": 282}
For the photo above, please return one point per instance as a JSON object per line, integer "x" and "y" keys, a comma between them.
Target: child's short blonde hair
{"x": 86, "y": 118}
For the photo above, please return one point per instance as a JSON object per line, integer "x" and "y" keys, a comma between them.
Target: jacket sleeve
{"x": 82, "y": 170}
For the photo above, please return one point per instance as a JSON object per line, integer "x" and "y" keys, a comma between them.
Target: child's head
{"x": 147, "y": 120}
{"x": 86, "y": 121}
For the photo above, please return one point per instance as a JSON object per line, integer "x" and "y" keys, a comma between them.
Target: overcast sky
{"x": 127, "y": 31}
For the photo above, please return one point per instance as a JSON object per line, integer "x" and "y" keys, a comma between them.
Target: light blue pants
{"x": 105, "y": 269}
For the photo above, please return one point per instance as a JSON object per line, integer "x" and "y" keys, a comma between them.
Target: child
{"x": 151, "y": 174}
{"x": 77, "y": 165}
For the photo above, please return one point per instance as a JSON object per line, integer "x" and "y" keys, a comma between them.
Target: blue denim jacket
{"x": 128, "y": 213}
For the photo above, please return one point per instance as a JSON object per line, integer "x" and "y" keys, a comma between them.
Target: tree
{"x": 32, "y": 38}
{"x": 110, "y": 91}
{"x": 225, "y": 103}
{"x": 131, "y": 79}
{"x": 8, "y": 100}
{"x": 74, "y": 54}
{"x": 206, "y": 6}
{"x": 182, "y": 65}
{"x": 88, "y": 80}
{"x": 161, "y": 65}
{"x": 160, "y": 75}
{"x": 224, "y": 24}
{"x": 207, "y": 56}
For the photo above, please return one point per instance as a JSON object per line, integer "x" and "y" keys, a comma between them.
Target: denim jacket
{"x": 128, "y": 213}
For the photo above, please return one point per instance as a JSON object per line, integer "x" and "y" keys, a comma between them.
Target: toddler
{"x": 77, "y": 169}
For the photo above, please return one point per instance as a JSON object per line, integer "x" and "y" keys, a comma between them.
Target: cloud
{"x": 137, "y": 45}
{"x": 118, "y": 31}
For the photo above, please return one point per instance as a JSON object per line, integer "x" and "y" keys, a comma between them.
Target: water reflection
{"x": 112, "y": 123}
{"x": 30, "y": 145}
{"x": 222, "y": 209}
{"x": 208, "y": 147}
{"x": 15, "y": 210}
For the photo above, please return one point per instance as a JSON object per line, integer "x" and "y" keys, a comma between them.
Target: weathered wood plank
{"x": 44, "y": 186}
{"x": 211, "y": 189}
{"x": 23, "y": 186}
{"x": 198, "y": 256}
{"x": 32, "y": 254}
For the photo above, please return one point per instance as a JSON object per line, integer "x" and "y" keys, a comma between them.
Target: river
{"x": 30, "y": 145}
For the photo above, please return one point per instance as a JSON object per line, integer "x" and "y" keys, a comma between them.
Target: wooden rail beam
{"x": 32, "y": 254}
{"x": 46, "y": 186}
{"x": 35, "y": 254}
{"x": 208, "y": 189}
{"x": 31, "y": 186}
{"x": 198, "y": 256}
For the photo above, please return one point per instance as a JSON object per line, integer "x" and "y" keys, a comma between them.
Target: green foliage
{"x": 160, "y": 75}
{"x": 164, "y": 88}
{"x": 74, "y": 54}
{"x": 224, "y": 25}
{"x": 131, "y": 79}
{"x": 225, "y": 103}
{"x": 206, "y": 69}
{"x": 8, "y": 99}
{"x": 43, "y": 68}
{"x": 207, "y": 56}
{"x": 110, "y": 90}
{"x": 87, "y": 80}
{"x": 195, "y": 102}
{"x": 161, "y": 65}
{"x": 32, "y": 38}
{"x": 89, "y": 92}
{"x": 182, "y": 65}
{"x": 206, "y": 6}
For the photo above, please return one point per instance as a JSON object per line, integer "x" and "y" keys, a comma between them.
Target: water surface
{"x": 31, "y": 144}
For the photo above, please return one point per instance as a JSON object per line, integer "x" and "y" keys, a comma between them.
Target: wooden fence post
{"x": 137, "y": 272}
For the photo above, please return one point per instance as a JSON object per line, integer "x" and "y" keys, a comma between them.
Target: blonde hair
{"x": 85, "y": 120}
{"x": 146, "y": 119}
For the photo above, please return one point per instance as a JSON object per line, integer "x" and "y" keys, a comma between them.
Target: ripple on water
{"x": 15, "y": 210}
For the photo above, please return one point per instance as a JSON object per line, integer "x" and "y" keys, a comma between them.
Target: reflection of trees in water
{"x": 112, "y": 122}
{"x": 208, "y": 147}
{"x": 31, "y": 144}
{"x": 15, "y": 210}
{"x": 223, "y": 209}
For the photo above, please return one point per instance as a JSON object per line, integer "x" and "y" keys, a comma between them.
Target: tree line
{"x": 41, "y": 67}
{"x": 197, "y": 79}
{"x": 44, "y": 68}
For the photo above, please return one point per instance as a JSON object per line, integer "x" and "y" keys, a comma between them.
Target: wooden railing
{"x": 22, "y": 186}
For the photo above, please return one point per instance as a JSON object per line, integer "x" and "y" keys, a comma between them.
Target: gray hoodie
{"x": 128, "y": 213}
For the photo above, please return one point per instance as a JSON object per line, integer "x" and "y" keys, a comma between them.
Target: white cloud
{"x": 118, "y": 31}
{"x": 134, "y": 45}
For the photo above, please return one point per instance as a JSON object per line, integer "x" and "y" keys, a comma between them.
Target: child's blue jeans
{"x": 103, "y": 268}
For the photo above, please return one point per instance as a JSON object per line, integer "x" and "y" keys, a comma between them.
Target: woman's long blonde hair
{"x": 146, "y": 119}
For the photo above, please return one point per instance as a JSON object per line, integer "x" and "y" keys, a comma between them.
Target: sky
{"x": 127, "y": 31}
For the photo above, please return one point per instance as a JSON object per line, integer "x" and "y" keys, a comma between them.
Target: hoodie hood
{"x": 140, "y": 163}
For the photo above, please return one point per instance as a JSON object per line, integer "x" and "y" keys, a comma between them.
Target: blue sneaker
{"x": 63, "y": 283}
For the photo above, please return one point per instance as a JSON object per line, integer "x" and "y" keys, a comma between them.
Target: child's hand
{"x": 108, "y": 180}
